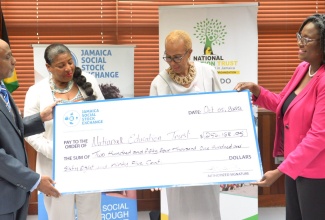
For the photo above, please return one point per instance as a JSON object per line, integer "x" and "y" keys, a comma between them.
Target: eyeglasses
{"x": 176, "y": 59}
{"x": 304, "y": 40}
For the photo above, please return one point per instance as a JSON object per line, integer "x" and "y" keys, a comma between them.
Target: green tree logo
{"x": 210, "y": 32}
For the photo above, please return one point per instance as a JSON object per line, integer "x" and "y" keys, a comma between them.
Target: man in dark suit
{"x": 16, "y": 179}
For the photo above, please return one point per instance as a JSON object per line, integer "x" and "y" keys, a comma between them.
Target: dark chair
{"x": 154, "y": 215}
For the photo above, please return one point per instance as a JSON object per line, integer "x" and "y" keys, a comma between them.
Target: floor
{"x": 270, "y": 213}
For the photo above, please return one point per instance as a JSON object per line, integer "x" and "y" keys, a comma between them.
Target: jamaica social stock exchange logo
{"x": 74, "y": 58}
{"x": 71, "y": 118}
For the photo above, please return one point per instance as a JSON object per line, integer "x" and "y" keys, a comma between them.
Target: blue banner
{"x": 121, "y": 205}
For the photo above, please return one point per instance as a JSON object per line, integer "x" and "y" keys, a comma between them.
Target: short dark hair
{"x": 318, "y": 20}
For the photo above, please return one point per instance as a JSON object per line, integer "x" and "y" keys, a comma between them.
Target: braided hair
{"x": 319, "y": 21}
{"x": 52, "y": 51}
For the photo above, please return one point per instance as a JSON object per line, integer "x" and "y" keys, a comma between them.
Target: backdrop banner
{"x": 117, "y": 207}
{"x": 224, "y": 36}
{"x": 113, "y": 67}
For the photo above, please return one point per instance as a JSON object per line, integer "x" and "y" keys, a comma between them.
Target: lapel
{"x": 19, "y": 125}
{"x": 308, "y": 87}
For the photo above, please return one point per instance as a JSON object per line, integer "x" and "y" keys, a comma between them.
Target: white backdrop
{"x": 235, "y": 46}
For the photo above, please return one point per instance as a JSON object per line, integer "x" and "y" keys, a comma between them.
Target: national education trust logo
{"x": 71, "y": 118}
{"x": 210, "y": 32}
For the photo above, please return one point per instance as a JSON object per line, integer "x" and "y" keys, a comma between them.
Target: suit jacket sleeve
{"x": 33, "y": 125}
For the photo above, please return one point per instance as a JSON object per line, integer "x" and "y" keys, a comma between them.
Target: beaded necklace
{"x": 58, "y": 90}
{"x": 77, "y": 98}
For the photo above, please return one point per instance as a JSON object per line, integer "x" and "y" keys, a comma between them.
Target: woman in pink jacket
{"x": 300, "y": 125}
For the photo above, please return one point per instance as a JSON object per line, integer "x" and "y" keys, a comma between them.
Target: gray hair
{"x": 53, "y": 50}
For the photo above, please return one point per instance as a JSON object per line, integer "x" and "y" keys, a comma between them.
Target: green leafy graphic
{"x": 210, "y": 32}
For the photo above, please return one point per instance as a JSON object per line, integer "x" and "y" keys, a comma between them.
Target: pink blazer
{"x": 300, "y": 133}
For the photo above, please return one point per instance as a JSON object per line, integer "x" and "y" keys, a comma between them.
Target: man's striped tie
{"x": 5, "y": 95}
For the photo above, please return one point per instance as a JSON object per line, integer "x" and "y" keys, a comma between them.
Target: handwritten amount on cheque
{"x": 125, "y": 152}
